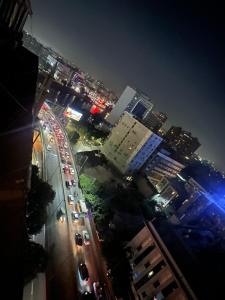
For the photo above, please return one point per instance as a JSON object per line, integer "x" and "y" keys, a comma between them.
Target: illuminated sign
{"x": 73, "y": 114}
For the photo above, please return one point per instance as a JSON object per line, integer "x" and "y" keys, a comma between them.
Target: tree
{"x": 39, "y": 196}
{"x": 89, "y": 184}
{"x": 35, "y": 220}
{"x": 35, "y": 260}
{"x": 74, "y": 137}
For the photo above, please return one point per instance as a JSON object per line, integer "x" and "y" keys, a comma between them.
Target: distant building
{"x": 155, "y": 273}
{"x": 162, "y": 163}
{"x": 132, "y": 101}
{"x": 154, "y": 120}
{"x": 182, "y": 141}
{"x": 130, "y": 144}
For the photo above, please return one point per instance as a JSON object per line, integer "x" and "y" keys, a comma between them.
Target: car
{"x": 98, "y": 290}
{"x": 86, "y": 237}
{"x": 65, "y": 145}
{"x": 77, "y": 207}
{"x": 74, "y": 216}
{"x": 70, "y": 199}
{"x": 83, "y": 271}
{"x": 67, "y": 155}
{"x": 88, "y": 296}
{"x": 62, "y": 155}
{"x": 68, "y": 184}
{"x": 109, "y": 273}
{"x": 65, "y": 169}
{"x": 71, "y": 171}
{"x": 63, "y": 161}
{"x": 69, "y": 162}
{"x": 61, "y": 215}
{"x": 49, "y": 147}
{"x": 78, "y": 239}
{"x": 73, "y": 182}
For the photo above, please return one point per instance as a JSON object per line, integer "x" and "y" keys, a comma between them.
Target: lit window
{"x": 150, "y": 274}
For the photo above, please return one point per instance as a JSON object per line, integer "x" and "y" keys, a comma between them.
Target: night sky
{"x": 173, "y": 51}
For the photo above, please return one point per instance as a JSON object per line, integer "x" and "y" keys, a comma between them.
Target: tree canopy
{"x": 35, "y": 260}
{"x": 39, "y": 196}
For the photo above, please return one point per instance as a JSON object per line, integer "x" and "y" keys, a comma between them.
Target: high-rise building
{"x": 132, "y": 101}
{"x": 182, "y": 141}
{"x": 18, "y": 76}
{"x": 163, "y": 163}
{"x": 130, "y": 144}
{"x": 155, "y": 273}
{"x": 154, "y": 120}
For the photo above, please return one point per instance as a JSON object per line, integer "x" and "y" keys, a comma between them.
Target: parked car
{"x": 78, "y": 239}
{"x": 49, "y": 147}
{"x": 70, "y": 199}
{"x": 86, "y": 237}
{"x": 83, "y": 271}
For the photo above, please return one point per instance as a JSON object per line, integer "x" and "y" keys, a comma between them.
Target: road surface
{"x": 63, "y": 278}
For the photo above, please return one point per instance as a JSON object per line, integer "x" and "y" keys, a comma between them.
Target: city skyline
{"x": 184, "y": 81}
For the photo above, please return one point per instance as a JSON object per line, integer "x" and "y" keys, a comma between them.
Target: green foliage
{"x": 127, "y": 200}
{"x": 35, "y": 260}
{"x": 39, "y": 196}
{"x": 88, "y": 184}
{"x": 74, "y": 137}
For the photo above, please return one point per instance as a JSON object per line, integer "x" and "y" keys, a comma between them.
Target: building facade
{"x": 155, "y": 273}
{"x": 182, "y": 141}
{"x": 132, "y": 101}
{"x": 18, "y": 77}
{"x": 154, "y": 120}
{"x": 130, "y": 144}
{"x": 163, "y": 164}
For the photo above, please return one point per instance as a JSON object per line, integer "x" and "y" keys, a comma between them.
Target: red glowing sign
{"x": 94, "y": 110}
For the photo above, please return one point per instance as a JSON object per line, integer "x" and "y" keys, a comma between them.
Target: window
{"x": 147, "y": 264}
{"x": 156, "y": 283}
{"x": 143, "y": 254}
{"x": 144, "y": 295}
{"x": 169, "y": 289}
{"x": 150, "y": 275}
{"x": 139, "y": 248}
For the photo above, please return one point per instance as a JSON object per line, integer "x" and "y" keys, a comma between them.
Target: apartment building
{"x": 155, "y": 274}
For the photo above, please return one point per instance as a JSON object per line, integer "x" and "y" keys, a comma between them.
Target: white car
{"x": 70, "y": 199}
{"x": 86, "y": 237}
{"x": 49, "y": 147}
{"x": 71, "y": 171}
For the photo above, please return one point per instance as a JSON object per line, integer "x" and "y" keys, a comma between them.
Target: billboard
{"x": 73, "y": 114}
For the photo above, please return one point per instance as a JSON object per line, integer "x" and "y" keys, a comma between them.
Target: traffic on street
{"x": 71, "y": 236}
